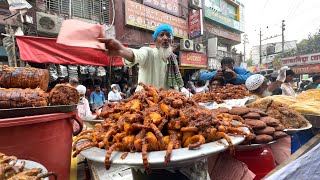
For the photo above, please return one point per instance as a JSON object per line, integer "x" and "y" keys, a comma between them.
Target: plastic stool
{"x": 260, "y": 161}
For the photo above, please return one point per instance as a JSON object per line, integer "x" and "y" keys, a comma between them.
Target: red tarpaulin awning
{"x": 46, "y": 50}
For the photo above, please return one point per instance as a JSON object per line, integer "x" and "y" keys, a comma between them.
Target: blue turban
{"x": 160, "y": 28}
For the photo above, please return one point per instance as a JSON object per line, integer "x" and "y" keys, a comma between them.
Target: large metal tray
{"x": 32, "y": 111}
{"x": 314, "y": 119}
{"x": 179, "y": 157}
{"x": 294, "y": 131}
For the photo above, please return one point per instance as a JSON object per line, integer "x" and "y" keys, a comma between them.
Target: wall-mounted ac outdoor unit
{"x": 186, "y": 45}
{"x": 198, "y": 48}
{"x": 48, "y": 23}
{"x": 195, "y": 4}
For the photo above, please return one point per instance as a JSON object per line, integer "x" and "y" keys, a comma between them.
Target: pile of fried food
{"x": 218, "y": 95}
{"x": 264, "y": 128}
{"x": 288, "y": 117}
{"x": 9, "y": 170}
{"x": 155, "y": 120}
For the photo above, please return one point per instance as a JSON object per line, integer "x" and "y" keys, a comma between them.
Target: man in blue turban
{"x": 157, "y": 66}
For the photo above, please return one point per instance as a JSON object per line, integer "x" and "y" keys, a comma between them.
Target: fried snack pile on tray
{"x": 23, "y": 77}
{"x": 288, "y": 117}
{"x": 154, "y": 120}
{"x": 264, "y": 128}
{"x": 228, "y": 91}
{"x": 18, "y": 98}
{"x": 64, "y": 95}
{"x": 9, "y": 170}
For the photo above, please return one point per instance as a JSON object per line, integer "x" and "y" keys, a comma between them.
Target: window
{"x": 96, "y": 10}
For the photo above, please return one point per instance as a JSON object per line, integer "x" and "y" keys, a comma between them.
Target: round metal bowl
{"x": 294, "y": 131}
{"x": 179, "y": 158}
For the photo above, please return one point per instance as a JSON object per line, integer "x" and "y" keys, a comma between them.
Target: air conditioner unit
{"x": 195, "y": 4}
{"x": 48, "y": 23}
{"x": 198, "y": 48}
{"x": 186, "y": 45}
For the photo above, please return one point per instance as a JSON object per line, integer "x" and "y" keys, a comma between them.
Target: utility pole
{"x": 245, "y": 41}
{"x": 283, "y": 28}
{"x": 260, "y": 51}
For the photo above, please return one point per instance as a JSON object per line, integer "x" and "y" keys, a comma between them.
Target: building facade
{"x": 270, "y": 51}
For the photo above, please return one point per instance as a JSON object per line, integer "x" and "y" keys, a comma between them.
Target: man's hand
{"x": 219, "y": 75}
{"x": 234, "y": 74}
{"x": 116, "y": 48}
{"x": 282, "y": 73}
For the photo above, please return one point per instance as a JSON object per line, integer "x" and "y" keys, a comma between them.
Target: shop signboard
{"x": 142, "y": 16}
{"x": 193, "y": 59}
{"x": 195, "y": 24}
{"x": 223, "y": 13}
{"x": 312, "y": 68}
{"x": 214, "y": 29}
{"x": 168, "y": 6}
{"x": 302, "y": 60}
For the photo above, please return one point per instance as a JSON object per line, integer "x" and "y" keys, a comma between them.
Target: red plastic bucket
{"x": 260, "y": 161}
{"x": 46, "y": 139}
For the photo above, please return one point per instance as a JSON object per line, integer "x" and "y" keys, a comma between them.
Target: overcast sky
{"x": 301, "y": 18}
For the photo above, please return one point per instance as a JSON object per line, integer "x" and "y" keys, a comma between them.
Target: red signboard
{"x": 142, "y": 16}
{"x": 169, "y": 6}
{"x": 193, "y": 59}
{"x": 314, "y": 68}
{"x": 301, "y": 60}
{"x": 195, "y": 24}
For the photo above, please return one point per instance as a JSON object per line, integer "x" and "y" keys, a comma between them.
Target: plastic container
{"x": 46, "y": 139}
{"x": 260, "y": 161}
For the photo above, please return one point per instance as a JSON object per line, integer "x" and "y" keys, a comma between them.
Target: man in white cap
{"x": 259, "y": 85}
{"x": 83, "y": 106}
{"x": 157, "y": 66}
{"x": 114, "y": 95}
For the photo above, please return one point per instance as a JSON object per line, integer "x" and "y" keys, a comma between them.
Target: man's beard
{"x": 165, "y": 52}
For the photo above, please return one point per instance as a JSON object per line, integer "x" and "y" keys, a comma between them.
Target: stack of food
{"x": 153, "y": 120}
{"x": 23, "y": 87}
{"x": 218, "y": 95}
{"x": 264, "y": 128}
{"x": 288, "y": 117}
{"x": 10, "y": 171}
{"x": 307, "y": 102}
{"x": 26, "y": 87}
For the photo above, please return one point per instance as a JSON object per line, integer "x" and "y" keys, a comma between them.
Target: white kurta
{"x": 152, "y": 69}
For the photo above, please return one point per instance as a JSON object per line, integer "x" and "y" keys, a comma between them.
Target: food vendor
{"x": 258, "y": 85}
{"x": 157, "y": 66}
{"x": 230, "y": 73}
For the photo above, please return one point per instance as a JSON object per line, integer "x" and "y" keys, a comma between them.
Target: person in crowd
{"x": 83, "y": 106}
{"x": 201, "y": 87}
{"x": 287, "y": 86}
{"x": 315, "y": 82}
{"x": 74, "y": 82}
{"x": 114, "y": 95}
{"x": 277, "y": 90}
{"x": 125, "y": 88}
{"x": 157, "y": 66}
{"x": 230, "y": 73}
{"x": 258, "y": 85}
{"x": 215, "y": 84}
{"x": 97, "y": 98}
